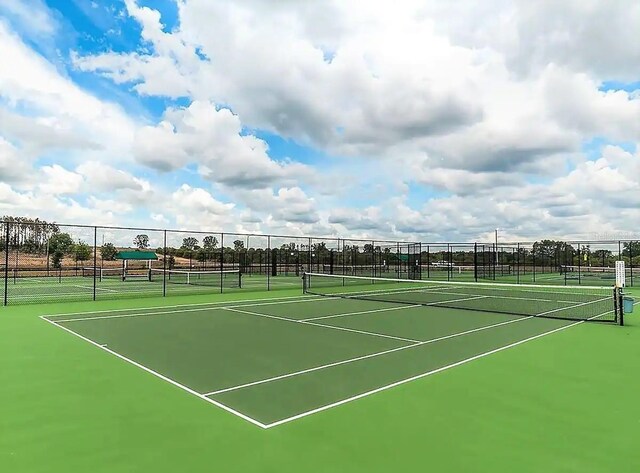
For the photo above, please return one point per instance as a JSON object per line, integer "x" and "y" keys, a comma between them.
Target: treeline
{"x": 29, "y": 234}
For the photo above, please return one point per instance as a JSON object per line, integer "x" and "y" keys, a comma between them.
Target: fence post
{"x": 518, "y": 264}
{"x": 631, "y": 261}
{"x": 533, "y": 256}
{"x": 95, "y": 259}
{"x": 221, "y": 260}
{"x": 6, "y": 263}
{"x": 164, "y": 264}
{"x": 475, "y": 261}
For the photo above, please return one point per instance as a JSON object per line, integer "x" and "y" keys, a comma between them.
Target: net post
{"x": 304, "y": 283}
{"x": 618, "y": 298}
{"x": 95, "y": 259}
{"x": 6, "y": 263}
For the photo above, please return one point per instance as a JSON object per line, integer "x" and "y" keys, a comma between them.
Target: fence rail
{"x": 42, "y": 262}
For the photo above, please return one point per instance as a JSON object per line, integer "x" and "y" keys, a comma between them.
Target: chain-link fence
{"x": 41, "y": 262}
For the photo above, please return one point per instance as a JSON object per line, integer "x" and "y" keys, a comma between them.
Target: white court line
{"x": 155, "y": 373}
{"x": 97, "y": 288}
{"x": 343, "y": 329}
{"x": 407, "y": 306}
{"x": 364, "y": 357}
{"x": 208, "y": 306}
{"x": 183, "y": 305}
{"x": 364, "y": 332}
{"x": 422, "y": 375}
{"x": 418, "y": 343}
{"x": 180, "y": 311}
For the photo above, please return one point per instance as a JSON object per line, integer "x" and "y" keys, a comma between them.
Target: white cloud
{"x": 42, "y": 109}
{"x": 109, "y": 205}
{"x": 58, "y": 181}
{"x": 394, "y": 83}
{"x": 102, "y": 177}
{"x": 197, "y": 208}
{"x": 33, "y": 16}
{"x": 159, "y": 218}
{"x": 13, "y": 167}
{"x": 595, "y": 36}
{"x": 50, "y": 207}
{"x": 213, "y": 139}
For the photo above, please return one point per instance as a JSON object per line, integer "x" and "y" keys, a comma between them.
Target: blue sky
{"x": 423, "y": 118}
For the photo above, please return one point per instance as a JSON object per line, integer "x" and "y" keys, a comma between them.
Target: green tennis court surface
{"x": 252, "y": 381}
{"x": 272, "y": 362}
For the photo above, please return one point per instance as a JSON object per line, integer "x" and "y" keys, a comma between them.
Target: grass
{"x": 562, "y": 403}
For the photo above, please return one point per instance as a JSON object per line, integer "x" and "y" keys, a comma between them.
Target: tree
{"x": 201, "y": 255}
{"x": 320, "y": 248}
{"x": 631, "y": 248}
{"x": 210, "y": 242}
{"x": 82, "y": 251}
{"x": 603, "y": 257}
{"x": 238, "y": 245}
{"x": 59, "y": 245}
{"x": 108, "y": 252}
{"x": 141, "y": 242}
{"x": 189, "y": 243}
{"x": 368, "y": 248}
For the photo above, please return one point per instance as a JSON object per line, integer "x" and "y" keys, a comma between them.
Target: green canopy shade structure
{"x": 137, "y": 255}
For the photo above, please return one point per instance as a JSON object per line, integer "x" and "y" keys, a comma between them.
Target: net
{"x": 570, "y": 303}
{"x": 601, "y": 272}
{"x": 360, "y": 270}
{"x": 227, "y": 278}
{"x": 103, "y": 273}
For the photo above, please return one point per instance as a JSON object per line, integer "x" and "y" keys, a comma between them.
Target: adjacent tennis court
{"x": 277, "y": 360}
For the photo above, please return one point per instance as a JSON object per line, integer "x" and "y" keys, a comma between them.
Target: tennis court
{"x": 273, "y": 361}
{"x": 109, "y": 284}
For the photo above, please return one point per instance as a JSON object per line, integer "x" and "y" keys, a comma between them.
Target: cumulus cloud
{"x": 102, "y": 177}
{"x": 388, "y": 82}
{"x": 51, "y": 207}
{"x": 58, "y": 181}
{"x": 533, "y": 35}
{"x": 290, "y": 205}
{"x": 13, "y": 167}
{"x": 213, "y": 140}
{"x": 197, "y": 208}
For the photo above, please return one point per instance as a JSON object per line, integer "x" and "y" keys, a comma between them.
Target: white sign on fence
{"x": 620, "y": 274}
